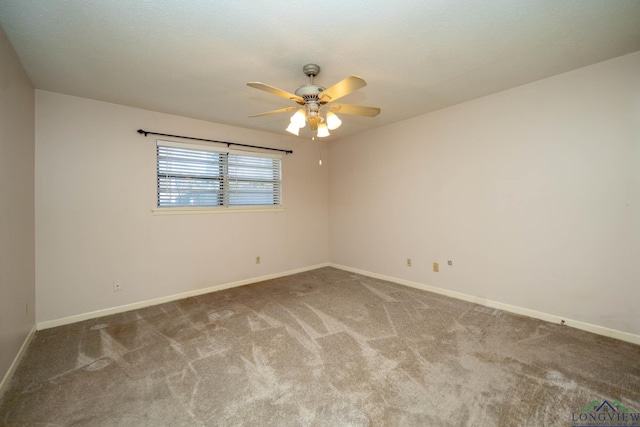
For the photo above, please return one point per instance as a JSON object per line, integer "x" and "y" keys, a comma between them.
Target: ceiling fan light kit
{"x": 299, "y": 119}
{"x": 292, "y": 128}
{"x": 316, "y": 101}
{"x": 333, "y": 121}
{"x": 323, "y": 130}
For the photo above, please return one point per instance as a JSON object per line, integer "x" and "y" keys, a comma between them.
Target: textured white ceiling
{"x": 193, "y": 58}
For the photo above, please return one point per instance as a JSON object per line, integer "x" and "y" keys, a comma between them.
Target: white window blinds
{"x": 200, "y": 176}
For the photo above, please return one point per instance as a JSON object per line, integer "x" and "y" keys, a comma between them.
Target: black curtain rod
{"x": 229, "y": 144}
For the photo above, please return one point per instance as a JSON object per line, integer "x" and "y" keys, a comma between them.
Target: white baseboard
{"x": 16, "y": 360}
{"x": 122, "y": 308}
{"x": 600, "y": 330}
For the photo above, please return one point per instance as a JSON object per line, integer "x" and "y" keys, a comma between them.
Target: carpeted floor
{"x": 322, "y": 348}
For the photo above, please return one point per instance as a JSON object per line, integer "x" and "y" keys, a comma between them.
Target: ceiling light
{"x": 299, "y": 119}
{"x": 333, "y": 121}
{"x": 323, "y": 130}
{"x": 293, "y": 129}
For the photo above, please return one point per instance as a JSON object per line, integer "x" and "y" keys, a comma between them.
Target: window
{"x": 200, "y": 176}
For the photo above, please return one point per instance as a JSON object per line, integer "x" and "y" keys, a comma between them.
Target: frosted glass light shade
{"x": 293, "y": 129}
{"x": 299, "y": 119}
{"x": 333, "y": 121}
{"x": 322, "y": 130}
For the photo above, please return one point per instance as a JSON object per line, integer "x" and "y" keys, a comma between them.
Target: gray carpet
{"x": 322, "y": 348}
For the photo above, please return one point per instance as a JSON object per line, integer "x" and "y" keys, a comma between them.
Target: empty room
{"x": 278, "y": 213}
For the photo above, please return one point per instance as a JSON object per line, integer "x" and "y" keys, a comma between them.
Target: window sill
{"x": 221, "y": 210}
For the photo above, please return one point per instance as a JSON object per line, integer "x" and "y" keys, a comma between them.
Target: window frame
{"x": 225, "y": 206}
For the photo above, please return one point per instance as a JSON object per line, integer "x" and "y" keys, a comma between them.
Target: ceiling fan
{"x": 316, "y": 103}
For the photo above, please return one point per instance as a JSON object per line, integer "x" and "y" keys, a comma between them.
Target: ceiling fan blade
{"x": 342, "y": 88}
{"x": 354, "y": 109}
{"x": 276, "y": 91}
{"x": 282, "y": 110}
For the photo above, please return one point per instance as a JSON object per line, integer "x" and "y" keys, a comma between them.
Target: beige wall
{"x": 17, "y": 235}
{"x": 533, "y": 193}
{"x": 95, "y": 188}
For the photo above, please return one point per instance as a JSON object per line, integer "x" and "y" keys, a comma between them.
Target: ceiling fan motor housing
{"x": 309, "y": 91}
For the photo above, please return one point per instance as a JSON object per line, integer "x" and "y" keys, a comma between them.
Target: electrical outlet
{"x": 257, "y": 260}
{"x": 436, "y": 267}
{"x": 117, "y": 286}
{"x": 409, "y": 263}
